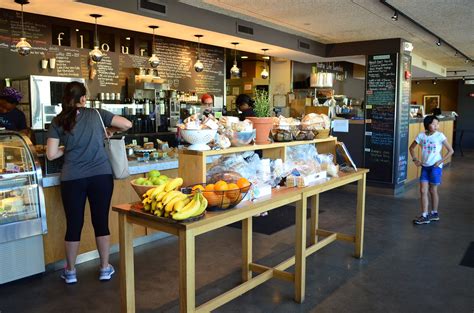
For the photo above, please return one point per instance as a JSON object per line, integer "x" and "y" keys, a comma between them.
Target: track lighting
{"x": 395, "y": 16}
{"x": 154, "y": 61}
{"x": 96, "y": 55}
{"x": 23, "y": 47}
{"x": 198, "y": 66}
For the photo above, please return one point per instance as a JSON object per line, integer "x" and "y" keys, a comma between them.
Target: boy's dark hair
{"x": 243, "y": 98}
{"x": 428, "y": 120}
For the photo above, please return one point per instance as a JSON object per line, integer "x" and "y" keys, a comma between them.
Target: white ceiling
{"x": 326, "y": 21}
{"x": 337, "y": 21}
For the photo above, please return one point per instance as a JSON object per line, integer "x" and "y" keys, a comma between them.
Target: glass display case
{"x": 22, "y": 208}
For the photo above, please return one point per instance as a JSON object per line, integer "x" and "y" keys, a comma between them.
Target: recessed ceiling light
{"x": 266, "y": 57}
{"x": 244, "y": 57}
{"x": 77, "y": 29}
{"x": 127, "y": 38}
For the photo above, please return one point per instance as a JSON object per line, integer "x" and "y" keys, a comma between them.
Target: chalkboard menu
{"x": 381, "y": 110}
{"x": 177, "y": 66}
{"x": 403, "y": 121}
{"x": 177, "y": 57}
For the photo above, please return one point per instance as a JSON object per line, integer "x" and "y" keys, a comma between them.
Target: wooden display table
{"x": 192, "y": 164}
{"x": 243, "y": 212}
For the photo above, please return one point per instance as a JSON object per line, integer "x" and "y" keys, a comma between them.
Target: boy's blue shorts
{"x": 431, "y": 174}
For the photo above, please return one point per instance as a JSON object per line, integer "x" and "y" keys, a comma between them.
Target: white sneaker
{"x": 106, "y": 273}
{"x": 69, "y": 276}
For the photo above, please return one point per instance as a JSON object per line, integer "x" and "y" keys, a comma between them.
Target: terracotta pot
{"x": 263, "y": 126}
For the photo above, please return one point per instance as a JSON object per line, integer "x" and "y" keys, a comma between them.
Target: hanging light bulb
{"x": 264, "y": 74}
{"x": 235, "y": 71}
{"x": 23, "y": 47}
{"x": 198, "y": 66}
{"x": 96, "y": 55}
{"x": 154, "y": 61}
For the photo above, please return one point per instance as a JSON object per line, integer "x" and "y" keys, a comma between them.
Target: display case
{"x": 22, "y": 209}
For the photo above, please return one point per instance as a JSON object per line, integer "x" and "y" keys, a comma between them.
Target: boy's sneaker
{"x": 106, "y": 273}
{"x": 421, "y": 220}
{"x": 434, "y": 216}
{"x": 69, "y": 276}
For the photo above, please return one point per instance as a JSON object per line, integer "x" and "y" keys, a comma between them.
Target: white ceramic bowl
{"x": 198, "y": 138}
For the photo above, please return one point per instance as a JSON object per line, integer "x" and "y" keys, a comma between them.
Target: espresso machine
{"x": 168, "y": 108}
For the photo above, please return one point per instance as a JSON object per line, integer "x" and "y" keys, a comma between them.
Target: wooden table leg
{"x": 127, "y": 272}
{"x": 246, "y": 248}
{"x": 300, "y": 249}
{"x": 314, "y": 218}
{"x": 360, "y": 215}
{"x": 187, "y": 293}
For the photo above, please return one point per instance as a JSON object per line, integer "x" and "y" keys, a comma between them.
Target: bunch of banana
{"x": 195, "y": 207}
{"x": 166, "y": 201}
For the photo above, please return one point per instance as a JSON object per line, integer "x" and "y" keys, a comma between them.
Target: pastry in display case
{"x": 22, "y": 209}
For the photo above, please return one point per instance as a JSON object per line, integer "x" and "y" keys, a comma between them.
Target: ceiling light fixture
{"x": 244, "y": 57}
{"x": 96, "y": 55}
{"x": 154, "y": 61}
{"x": 395, "y": 16}
{"x": 198, "y": 66}
{"x": 438, "y": 43}
{"x": 235, "y": 71}
{"x": 400, "y": 13}
{"x": 264, "y": 74}
{"x": 23, "y": 47}
{"x": 435, "y": 81}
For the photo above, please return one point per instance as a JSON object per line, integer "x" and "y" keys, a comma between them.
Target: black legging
{"x": 98, "y": 189}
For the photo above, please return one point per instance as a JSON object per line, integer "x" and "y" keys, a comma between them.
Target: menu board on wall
{"x": 177, "y": 66}
{"x": 381, "y": 109}
{"x": 403, "y": 122}
{"x": 177, "y": 58}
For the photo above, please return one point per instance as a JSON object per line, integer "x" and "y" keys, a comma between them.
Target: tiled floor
{"x": 405, "y": 268}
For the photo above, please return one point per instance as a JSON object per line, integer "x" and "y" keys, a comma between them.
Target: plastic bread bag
{"x": 327, "y": 164}
{"x": 233, "y": 163}
{"x": 302, "y": 158}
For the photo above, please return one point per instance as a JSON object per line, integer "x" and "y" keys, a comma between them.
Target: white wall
{"x": 280, "y": 78}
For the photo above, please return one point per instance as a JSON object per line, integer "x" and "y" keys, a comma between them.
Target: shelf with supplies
{"x": 193, "y": 168}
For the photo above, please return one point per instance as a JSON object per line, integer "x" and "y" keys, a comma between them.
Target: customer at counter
{"x": 245, "y": 105}
{"x": 10, "y": 117}
{"x": 86, "y": 173}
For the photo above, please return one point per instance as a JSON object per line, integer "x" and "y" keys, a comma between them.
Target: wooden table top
{"x": 215, "y": 219}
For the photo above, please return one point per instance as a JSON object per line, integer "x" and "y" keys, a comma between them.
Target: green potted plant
{"x": 262, "y": 122}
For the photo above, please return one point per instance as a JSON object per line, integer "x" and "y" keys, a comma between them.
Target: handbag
{"x": 115, "y": 149}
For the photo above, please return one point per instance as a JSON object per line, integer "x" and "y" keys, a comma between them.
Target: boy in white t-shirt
{"x": 431, "y": 142}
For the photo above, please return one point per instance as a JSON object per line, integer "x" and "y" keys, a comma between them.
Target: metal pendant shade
{"x": 96, "y": 55}
{"x": 235, "y": 71}
{"x": 264, "y": 74}
{"x": 23, "y": 47}
{"x": 198, "y": 66}
{"x": 154, "y": 61}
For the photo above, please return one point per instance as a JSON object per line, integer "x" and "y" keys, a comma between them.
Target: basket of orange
{"x": 223, "y": 195}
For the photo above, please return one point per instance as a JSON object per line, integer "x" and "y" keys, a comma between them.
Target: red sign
{"x": 407, "y": 74}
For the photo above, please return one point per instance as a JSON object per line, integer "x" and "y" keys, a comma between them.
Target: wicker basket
{"x": 322, "y": 133}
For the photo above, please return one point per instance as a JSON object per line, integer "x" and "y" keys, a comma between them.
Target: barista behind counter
{"x": 10, "y": 117}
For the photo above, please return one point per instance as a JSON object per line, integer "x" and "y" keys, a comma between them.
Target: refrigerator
{"x": 22, "y": 209}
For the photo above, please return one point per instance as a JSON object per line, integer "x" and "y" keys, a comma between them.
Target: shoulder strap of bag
{"x": 103, "y": 125}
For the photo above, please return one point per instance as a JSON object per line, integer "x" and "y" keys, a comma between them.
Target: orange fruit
{"x": 221, "y": 186}
{"x": 209, "y": 187}
{"x": 226, "y": 202}
{"x": 212, "y": 198}
{"x": 243, "y": 184}
{"x": 233, "y": 192}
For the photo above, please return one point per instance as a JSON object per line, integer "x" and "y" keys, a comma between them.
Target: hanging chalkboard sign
{"x": 381, "y": 110}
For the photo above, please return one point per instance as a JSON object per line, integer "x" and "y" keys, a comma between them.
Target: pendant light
{"x": 154, "y": 61}
{"x": 96, "y": 55}
{"x": 264, "y": 74}
{"x": 198, "y": 66}
{"x": 23, "y": 47}
{"x": 235, "y": 71}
